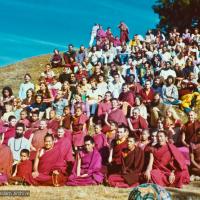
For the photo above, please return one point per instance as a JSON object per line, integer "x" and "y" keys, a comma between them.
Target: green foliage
{"x": 178, "y": 13}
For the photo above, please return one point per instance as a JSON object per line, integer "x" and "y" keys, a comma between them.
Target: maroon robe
{"x": 91, "y": 165}
{"x": 33, "y": 126}
{"x": 190, "y": 131}
{"x": 67, "y": 121}
{"x": 53, "y": 125}
{"x": 26, "y": 122}
{"x": 103, "y": 108}
{"x": 6, "y": 160}
{"x": 37, "y": 141}
{"x": 10, "y": 132}
{"x": 166, "y": 159}
{"x": 24, "y": 170}
{"x": 115, "y": 166}
{"x": 78, "y": 132}
{"x": 127, "y": 97}
{"x": 117, "y": 116}
{"x": 195, "y": 150}
{"x": 139, "y": 123}
{"x": 53, "y": 159}
{"x": 102, "y": 146}
{"x": 136, "y": 88}
{"x": 132, "y": 164}
{"x": 147, "y": 97}
{"x": 66, "y": 144}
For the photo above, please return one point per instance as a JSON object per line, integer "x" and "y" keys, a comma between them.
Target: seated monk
{"x": 137, "y": 123}
{"x": 24, "y": 118}
{"x": 66, "y": 118}
{"x": 144, "y": 140}
{"x": 37, "y": 139}
{"x": 53, "y": 122}
{"x": 195, "y": 157}
{"x": 132, "y": 164}
{"x": 64, "y": 138}
{"x": 116, "y": 149}
{"x": 126, "y": 99}
{"x": 167, "y": 166}
{"x": 49, "y": 165}
{"x": 34, "y": 124}
{"x": 86, "y": 170}
{"x": 5, "y": 162}
{"x": 23, "y": 169}
{"x": 188, "y": 131}
{"x": 101, "y": 143}
{"x": 104, "y": 106}
{"x": 78, "y": 125}
{"x": 188, "y": 134}
{"x": 115, "y": 114}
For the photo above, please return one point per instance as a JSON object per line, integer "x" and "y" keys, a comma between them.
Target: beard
{"x": 18, "y": 135}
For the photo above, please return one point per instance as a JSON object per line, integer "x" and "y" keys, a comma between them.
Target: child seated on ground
{"x": 23, "y": 169}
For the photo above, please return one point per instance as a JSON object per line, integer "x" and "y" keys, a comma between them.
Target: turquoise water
{"x": 33, "y": 27}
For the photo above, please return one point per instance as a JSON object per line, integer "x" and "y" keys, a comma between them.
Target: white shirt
{"x": 16, "y": 145}
{"x": 166, "y": 73}
{"x": 23, "y": 89}
{"x": 115, "y": 89}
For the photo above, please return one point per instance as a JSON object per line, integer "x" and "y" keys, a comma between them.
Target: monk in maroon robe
{"x": 6, "y": 160}
{"x": 53, "y": 122}
{"x": 195, "y": 156}
{"x": 116, "y": 149}
{"x": 101, "y": 143}
{"x": 50, "y": 164}
{"x": 147, "y": 93}
{"x": 167, "y": 166}
{"x": 66, "y": 118}
{"x": 78, "y": 127}
{"x": 24, "y": 118}
{"x": 23, "y": 169}
{"x": 132, "y": 164}
{"x": 104, "y": 106}
{"x": 34, "y": 124}
{"x": 137, "y": 123}
{"x": 37, "y": 139}
{"x": 188, "y": 131}
{"x": 86, "y": 170}
{"x": 115, "y": 114}
{"x": 64, "y": 139}
{"x": 126, "y": 99}
{"x": 126, "y": 95}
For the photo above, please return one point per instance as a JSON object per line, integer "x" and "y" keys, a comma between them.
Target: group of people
{"x": 113, "y": 116}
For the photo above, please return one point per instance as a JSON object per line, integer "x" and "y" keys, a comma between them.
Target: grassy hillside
{"x": 12, "y": 75}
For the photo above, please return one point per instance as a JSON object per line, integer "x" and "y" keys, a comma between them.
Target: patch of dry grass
{"x": 95, "y": 193}
{"x": 12, "y": 75}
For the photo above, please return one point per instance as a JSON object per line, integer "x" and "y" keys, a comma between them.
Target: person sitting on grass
{"x": 86, "y": 170}
{"x": 167, "y": 166}
{"x": 23, "y": 169}
{"x": 49, "y": 165}
{"x": 132, "y": 164}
